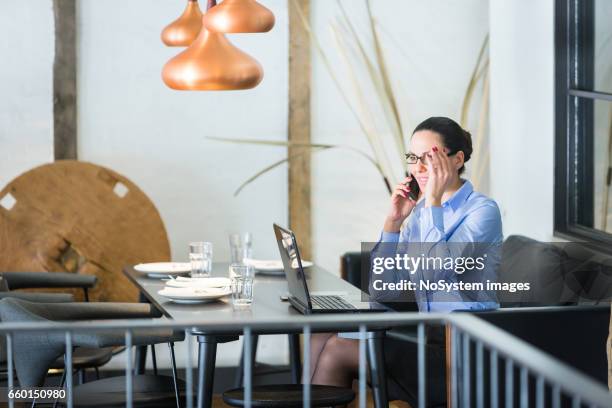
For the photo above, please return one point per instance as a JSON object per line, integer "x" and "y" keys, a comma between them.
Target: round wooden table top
{"x": 72, "y": 216}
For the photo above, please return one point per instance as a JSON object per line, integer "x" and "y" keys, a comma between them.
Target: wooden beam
{"x": 64, "y": 81}
{"x": 299, "y": 126}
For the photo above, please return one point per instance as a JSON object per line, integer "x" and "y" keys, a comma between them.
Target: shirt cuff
{"x": 390, "y": 236}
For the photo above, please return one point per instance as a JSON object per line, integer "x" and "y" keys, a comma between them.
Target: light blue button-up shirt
{"x": 466, "y": 217}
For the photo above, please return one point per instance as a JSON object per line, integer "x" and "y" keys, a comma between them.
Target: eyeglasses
{"x": 412, "y": 158}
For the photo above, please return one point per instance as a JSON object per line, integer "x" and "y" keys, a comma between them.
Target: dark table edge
{"x": 128, "y": 271}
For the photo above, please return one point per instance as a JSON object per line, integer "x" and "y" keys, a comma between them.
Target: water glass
{"x": 240, "y": 247}
{"x": 242, "y": 277}
{"x": 200, "y": 256}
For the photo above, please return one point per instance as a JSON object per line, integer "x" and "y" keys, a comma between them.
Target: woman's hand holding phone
{"x": 401, "y": 206}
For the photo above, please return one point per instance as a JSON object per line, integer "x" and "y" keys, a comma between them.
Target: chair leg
{"x": 140, "y": 357}
{"x": 97, "y": 373}
{"x": 239, "y": 374}
{"x": 154, "y": 359}
{"x": 376, "y": 364}
{"x": 81, "y": 376}
{"x": 295, "y": 359}
{"x": 61, "y": 385}
{"x": 174, "y": 375}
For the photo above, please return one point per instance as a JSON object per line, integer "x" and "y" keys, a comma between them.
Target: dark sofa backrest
{"x": 588, "y": 272}
{"x": 559, "y": 273}
{"x": 539, "y": 263}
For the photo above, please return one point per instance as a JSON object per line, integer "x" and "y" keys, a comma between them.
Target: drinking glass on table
{"x": 242, "y": 284}
{"x": 200, "y": 256}
{"x": 240, "y": 247}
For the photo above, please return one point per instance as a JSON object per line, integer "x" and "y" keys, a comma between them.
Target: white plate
{"x": 193, "y": 295}
{"x": 273, "y": 265}
{"x": 185, "y": 282}
{"x": 191, "y": 302}
{"x": 163, "y": 269}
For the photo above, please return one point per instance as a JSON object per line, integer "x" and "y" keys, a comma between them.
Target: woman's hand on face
{"x": 440, "y": 173}
{"x": 401, "y": 206}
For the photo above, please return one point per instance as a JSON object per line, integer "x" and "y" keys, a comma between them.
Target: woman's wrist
{"x": 392, "y": 225}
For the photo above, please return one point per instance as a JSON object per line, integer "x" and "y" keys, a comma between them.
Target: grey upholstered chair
{"x": 48, "y": 280}
{"x": 83, "y": 358}
{"x": 11, "y": 281}
{"x": 39, "y": 297}
{"x": 35, "y": 352}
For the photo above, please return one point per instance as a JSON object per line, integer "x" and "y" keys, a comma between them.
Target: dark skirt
{"x": 401, "y": 364}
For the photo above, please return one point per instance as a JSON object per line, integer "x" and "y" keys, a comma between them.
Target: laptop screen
{"x": 296, "y": 281}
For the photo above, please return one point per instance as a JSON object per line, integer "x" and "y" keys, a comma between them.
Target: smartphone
{"x": 414, "y": 189}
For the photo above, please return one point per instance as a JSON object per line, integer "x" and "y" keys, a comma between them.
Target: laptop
{"x": 299, "y": 295}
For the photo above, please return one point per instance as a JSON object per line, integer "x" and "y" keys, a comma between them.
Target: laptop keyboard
{"x": 331, "y": 302}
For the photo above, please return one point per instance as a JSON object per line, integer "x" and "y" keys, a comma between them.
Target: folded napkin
{"x": 185, "y": 282}
{"x": 190, "y": 291}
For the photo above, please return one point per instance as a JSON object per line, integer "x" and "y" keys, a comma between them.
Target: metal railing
{"x": 472, "y": 341}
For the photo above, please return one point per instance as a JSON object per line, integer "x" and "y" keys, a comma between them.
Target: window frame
{"x": 574, "y": 99}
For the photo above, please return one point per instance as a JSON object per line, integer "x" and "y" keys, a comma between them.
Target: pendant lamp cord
{"x": 211, "y": 3}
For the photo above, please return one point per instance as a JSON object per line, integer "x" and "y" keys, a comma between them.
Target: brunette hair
{"x": 454, "y": 137}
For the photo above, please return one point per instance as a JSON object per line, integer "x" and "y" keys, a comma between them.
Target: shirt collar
{"x": 458, "y": 198}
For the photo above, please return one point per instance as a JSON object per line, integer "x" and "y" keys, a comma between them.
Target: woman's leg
{"x": 317, "y": 343}
{"x": 338, "y": 362}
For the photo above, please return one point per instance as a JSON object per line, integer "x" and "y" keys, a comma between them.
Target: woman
{"x": 447, "y": 212}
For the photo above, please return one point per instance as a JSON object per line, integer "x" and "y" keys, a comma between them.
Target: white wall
{"x": 522, "y": 115}
{"x": 131, "y": 122}
{"x": 431, "y": 47}
{"x": 26, "y": 109}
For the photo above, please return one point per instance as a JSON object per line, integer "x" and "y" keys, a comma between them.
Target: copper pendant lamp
{"x": 185, "y": 29}
{"x": 212, "y": 63}
{"x": 239, "y": 16}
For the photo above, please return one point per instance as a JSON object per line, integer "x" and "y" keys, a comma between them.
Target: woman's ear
{"x": 459, "y": 159}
